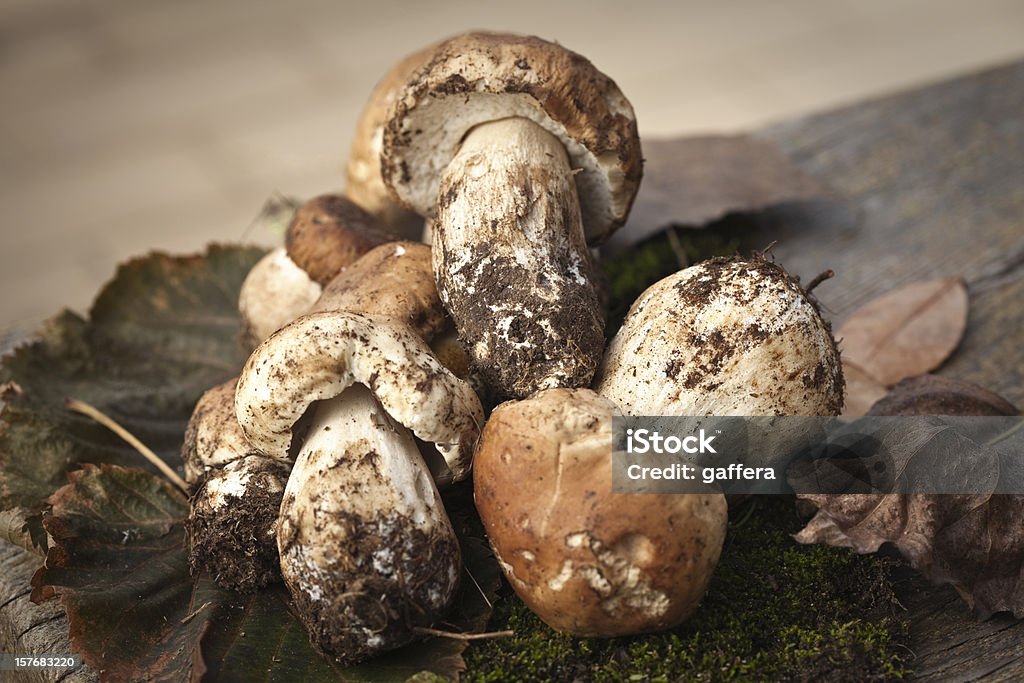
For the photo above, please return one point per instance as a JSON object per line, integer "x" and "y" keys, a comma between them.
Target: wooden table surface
{"x": 928, "y": 183}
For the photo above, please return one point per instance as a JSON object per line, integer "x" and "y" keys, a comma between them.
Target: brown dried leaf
{"x": 906, "y": 332}
{"x": 693, "y": 181}
{"x": 934, "y": 395}
{"x": 861, "y": 390}
{"x": 974, "y": 542}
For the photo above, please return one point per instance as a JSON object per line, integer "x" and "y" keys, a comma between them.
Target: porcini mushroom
{"x": 236, "y": 497}
{"x": 364, "y": 184}
{"x": 366, "y": 548}
{"x": 275, "y": 292}
{"x": 329, "y": 232}
{"x": 326, "y": 234}
{"x": 588, "y": 561}
{"x": 729, "y": 336}
{"x": 521, "y": 152}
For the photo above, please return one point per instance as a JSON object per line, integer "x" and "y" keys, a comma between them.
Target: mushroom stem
{"x": 365, "y": 544}
{"x": 511, "y": 260}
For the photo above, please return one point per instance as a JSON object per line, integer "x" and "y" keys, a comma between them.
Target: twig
{"x": 192, "y": 616}
{"x": 462, "y": 636}
{"x": 677, "y": 248}
{"x": 819, "y": 279}
{"x": 477, "y": 584}
{"x": 94, "y": 413}
{"x": 767, "y": 250}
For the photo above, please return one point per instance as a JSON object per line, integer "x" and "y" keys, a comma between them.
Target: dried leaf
{"x": 861, "y": 390}
{"x": 973, "y": 541}
{"x": 906, "y": 332}
{"x": 118, "y": 564}
{"x": 693, "y": 181}
{"x": 162, "y": 332}
{"x": 934, "y": 395}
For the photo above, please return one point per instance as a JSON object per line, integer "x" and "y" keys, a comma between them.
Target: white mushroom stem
{"x": 365, "y": 544}
{"x": 511, "y": 260}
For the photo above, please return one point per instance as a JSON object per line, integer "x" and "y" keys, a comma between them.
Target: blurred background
{"x": 133, "y": 125}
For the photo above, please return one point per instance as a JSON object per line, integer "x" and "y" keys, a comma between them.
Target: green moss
{"x": 775, "y": 611}
{"x": 631, "y": 272}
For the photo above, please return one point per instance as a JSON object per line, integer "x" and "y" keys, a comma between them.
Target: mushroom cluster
{"x": 321, "y": 464}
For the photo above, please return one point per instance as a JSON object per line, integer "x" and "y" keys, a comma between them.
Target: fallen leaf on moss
{"x": 906, "y": 332}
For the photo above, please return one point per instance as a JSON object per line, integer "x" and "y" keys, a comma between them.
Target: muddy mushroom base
{"x": 232, "y": 520}
{"x": 360, "y": 613}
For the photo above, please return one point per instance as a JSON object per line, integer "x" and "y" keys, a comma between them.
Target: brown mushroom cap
{"x": 478, "y": 77}
{"x": 588, "y": 561}
{"x": 394, "y": 280}
{"x": 329, "y": 232}
{"x": 364, "y": 184}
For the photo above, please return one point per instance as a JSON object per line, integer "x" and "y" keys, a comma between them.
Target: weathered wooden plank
{"x": 27, "y": 629}
{"x": 932, "y": 183}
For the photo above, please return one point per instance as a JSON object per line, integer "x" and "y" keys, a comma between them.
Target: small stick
{"x": 192, "y": 616}
{"x": 828, "y": 274}
{"x": 764, "y": 252}
{"x": 477, "y": 584}
{"x": 677, "y": 248}
{"x": 462, "y": 636}
{"x": 94, "y": 413}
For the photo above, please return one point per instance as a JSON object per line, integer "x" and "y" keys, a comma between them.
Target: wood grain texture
{"x": 27, "y": 629}
{"x": 932, "y": 186}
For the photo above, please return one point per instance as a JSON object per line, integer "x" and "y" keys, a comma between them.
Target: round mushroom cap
{"x": 320, "y": 355}
{"x": 729, "y": 336}
{"x": 330, "y": 232}
{"x": 479, "y": 77}
{"x": 588, "y": 561}
{"x": 275, "y": 292}
{"x": 394, "y": 280}
{"x": 213, "y": 438}
{"x": 364, "y": 184}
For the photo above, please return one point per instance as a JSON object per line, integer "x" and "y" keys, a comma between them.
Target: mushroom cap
{"x": 729, "y": 336}
{"x": 320, "y": 355}
{"x": 330, "y": 232}
{"x": 213, "y": 438}
{"x": 394, "y": 280}
{"x": 478, "y": 77}
{"x": 588, "y": 561}
{"x": 364, "y": 184}
{"x": 275, "y": 292}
